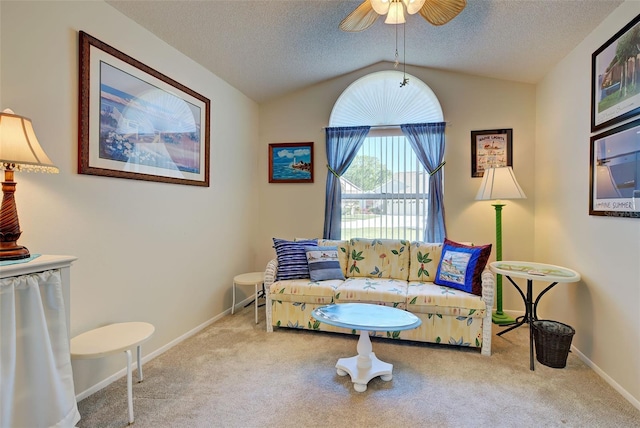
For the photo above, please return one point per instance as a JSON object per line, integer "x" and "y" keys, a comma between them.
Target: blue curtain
{"x": 343, "y": 144}
{"x": 427, "y": 140}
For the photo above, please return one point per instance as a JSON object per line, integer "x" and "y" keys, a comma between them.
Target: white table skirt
{"x": 36, "y": 379}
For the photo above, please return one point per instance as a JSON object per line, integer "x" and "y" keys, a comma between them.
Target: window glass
{"x": 384, "y": 191}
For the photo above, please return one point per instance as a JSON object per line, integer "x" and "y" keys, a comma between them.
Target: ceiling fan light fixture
{"x": 413, "y": 6}
{"x": 437, "y": 12}
{"x": 396, "y": 13}
{"x": 380, "y": 6}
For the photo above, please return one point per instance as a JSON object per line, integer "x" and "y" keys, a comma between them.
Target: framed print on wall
{"x": 490, "y": 148}
{"x": 291, "y": 163}
{"x": 615, "y": 79}
{"x": 614, "y": 182}
{"x": 137, "y": 123}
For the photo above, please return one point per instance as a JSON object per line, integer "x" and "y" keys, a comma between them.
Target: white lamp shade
{"x": 380, "y": 6}
{"x": 396, "y": 13}
{"x": 413, "y": 6}
{"x": 499, "y": 183}
{"x": 19, "y": 147}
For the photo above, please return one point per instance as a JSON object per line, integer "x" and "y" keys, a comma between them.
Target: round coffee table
{"x": 365, "y": 317}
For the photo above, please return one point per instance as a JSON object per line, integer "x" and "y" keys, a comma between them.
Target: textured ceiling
{"x": 268, "y": 48}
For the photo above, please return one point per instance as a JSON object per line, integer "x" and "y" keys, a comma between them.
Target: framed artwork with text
{"x": 491, "y": 148}
{"x": 614, "y": 182}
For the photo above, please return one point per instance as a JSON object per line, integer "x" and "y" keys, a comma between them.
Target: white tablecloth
{"x": 36, "y": 379}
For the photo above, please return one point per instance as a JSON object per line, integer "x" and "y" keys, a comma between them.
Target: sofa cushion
{"x": 461, "y": 266}
{"x": 423, "y": 262}
{"x": 343, "y": 251}
{"x": 373, "y": 290}
{"x": 323, "y": 263}
{"x": 378, "y": 258}
{"x": 292, "y": 258}
{"x": 430, "y": 298}
{"x": 452, "y": 330}
{"x": 304, "y": 291}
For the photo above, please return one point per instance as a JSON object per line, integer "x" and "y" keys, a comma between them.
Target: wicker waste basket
{"x": 552, "y": 342}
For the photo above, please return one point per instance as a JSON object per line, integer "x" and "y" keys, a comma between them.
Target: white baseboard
{"x": 630, "y": 398}
{"x": 122, "y": 373}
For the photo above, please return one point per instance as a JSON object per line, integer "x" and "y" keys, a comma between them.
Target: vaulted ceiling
{"x": 269, "y": 48}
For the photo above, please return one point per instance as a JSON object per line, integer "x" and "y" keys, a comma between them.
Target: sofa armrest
{"x": 488, "y": 283}
{"x": 269, "y": 278}
{"x": 270, "y": 273}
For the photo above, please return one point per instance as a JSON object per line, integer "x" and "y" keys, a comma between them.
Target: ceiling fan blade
{"x": 439, "y": 12}
{"x": 360, "y": 19}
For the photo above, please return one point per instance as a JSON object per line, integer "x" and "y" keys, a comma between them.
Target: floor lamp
{"x": 497, "y": 184}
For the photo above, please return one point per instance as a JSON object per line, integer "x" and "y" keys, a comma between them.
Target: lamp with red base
{"x": 19, "y": 151}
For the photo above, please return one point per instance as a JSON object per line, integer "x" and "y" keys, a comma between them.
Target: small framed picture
{"x": 614, "y": 185}
{"x": 615, "y": 92}
{"x": 491, "y": 148}
{"x": 291, "y": 163}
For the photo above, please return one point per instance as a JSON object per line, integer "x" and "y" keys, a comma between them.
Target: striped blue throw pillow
{"x": 323, "y": 263}
{"x": 292, "y": 258}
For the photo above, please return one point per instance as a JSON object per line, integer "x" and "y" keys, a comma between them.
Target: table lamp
{"x": 499, "y": 183}
{"x": 19, "y": 151}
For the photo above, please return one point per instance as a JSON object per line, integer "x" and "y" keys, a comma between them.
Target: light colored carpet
{"x": 234, "y": 374}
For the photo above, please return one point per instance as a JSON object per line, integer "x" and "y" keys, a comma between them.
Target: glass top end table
{"x": 531, "y": 272}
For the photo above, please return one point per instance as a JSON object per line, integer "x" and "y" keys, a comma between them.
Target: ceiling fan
{"x": 437, "y": 12}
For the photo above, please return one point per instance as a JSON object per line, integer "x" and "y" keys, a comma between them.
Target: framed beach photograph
{"x": 491, "y": 148}
{"x": 137, "y": 123}
{"x": 291, "y": 163}
{"x": 615, "y": 78}
{"x": 614, "y": 182}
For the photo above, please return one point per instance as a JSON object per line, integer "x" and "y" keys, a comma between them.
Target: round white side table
{"x": 113, "y": 339}
{"x": 252, "y": 278}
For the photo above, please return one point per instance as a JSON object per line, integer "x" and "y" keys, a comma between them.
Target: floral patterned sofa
{"x": 389, "y": 272}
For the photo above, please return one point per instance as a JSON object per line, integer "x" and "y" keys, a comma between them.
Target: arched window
{"x": 385, "y": 189}
{"x": 378, "y": 100}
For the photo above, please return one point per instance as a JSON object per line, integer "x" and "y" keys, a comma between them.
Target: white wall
{"x": 604, "y": 307}
{"x": 468, "y": 102}
{"x": 1, "y": 61}
{"x": 156, "y": 252}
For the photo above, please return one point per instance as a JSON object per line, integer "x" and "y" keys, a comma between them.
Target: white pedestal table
{"x": 365, "y": 317}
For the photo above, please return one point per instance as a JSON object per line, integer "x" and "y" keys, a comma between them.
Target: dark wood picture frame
{"x": 136, "y": 123}
{"x": 291, "y": 163}
{"x": 490, "y": 148}
{"x": 614, "y": 168}
{"x": 615, "y": 96}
